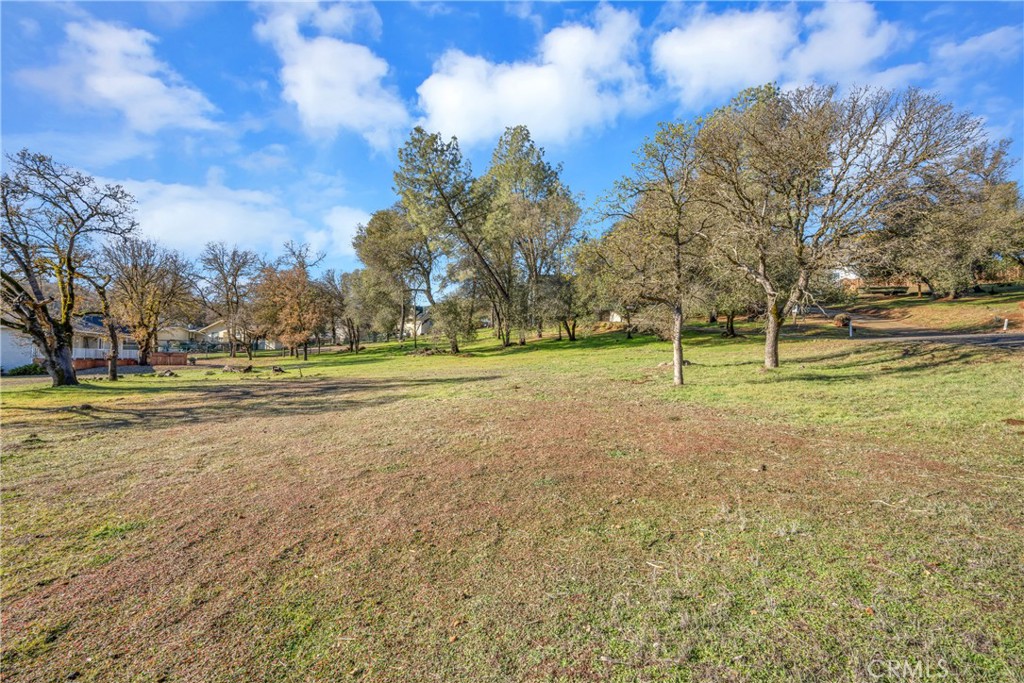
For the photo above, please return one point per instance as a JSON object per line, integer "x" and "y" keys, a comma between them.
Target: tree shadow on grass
{"x": 857, "y": 370}
{"x": 191, "y": 404}
{"x": 601, "y": 340}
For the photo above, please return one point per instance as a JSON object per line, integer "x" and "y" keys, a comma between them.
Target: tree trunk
{"x": 570, "y": 331}
{"x": 112, "y": 356}
{"x": 712, "y": 317}
{"x": 60, "y": 366}
{"x": 111, "y": 334}
{"x": 730, "y": 324}
{"x": 773, "y": 323}
{"x": 677, "y": 345}
{"x": 305, "y": 351}
{"x": 454, "y": 342}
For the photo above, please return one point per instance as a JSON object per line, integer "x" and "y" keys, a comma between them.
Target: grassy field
{"x": 972, "y": 313}
{"x": 557, "y": 512}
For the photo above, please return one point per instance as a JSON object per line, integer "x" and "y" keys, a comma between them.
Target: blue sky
{"x": 259, "y": 123}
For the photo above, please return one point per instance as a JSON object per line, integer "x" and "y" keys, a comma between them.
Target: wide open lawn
{"x": 554, "y": 512}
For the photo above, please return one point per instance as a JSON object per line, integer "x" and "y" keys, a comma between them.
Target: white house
{"x": 91, "y": 340}
{"x": 89, "y": 343}
{"x": 16, "y": 349}
{"x": 177, "y": 334}
{"x": 421, "y": 325}
{"x": 216, "y": 332}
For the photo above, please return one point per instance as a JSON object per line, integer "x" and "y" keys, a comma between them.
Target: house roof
{"x": 91, "y": 325}
{"x": 213, "y": 324}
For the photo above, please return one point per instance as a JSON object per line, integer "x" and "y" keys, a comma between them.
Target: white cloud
{"x": 712, "y": 55}
{"x": 960, "y": 69}
{"x": 272, "y": 157}
{"x": 106, "y": 66}
{"x": 523, "y": 9}
{"x": 432, "y": 9}
{"x": 334, "y": 84}
{"x": 715, "y": 55}
{"x": 956, "y": 63}
{"x": 29, "y": 27}
{"x": 342, "y": 222}
{"x": 186, "y": 217}
{"x": 845, "y": 39}
{"x": 583, "y": 77}
{"x": 1002, "y": 44}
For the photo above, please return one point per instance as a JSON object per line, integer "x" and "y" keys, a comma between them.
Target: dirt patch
{"x": 478, "y": 527}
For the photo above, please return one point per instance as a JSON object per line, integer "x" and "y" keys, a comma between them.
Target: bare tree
{"x": 294, "y": 306}
{"x": 51, "y": 214}
{"x": 792, "y": 178}
{"x": 152, "y": 286}
{"x": 655, "y": 248}
{"x": 227, "y": 277}
{"x": 954, "y": 228}
{"x": 98, "y": 273}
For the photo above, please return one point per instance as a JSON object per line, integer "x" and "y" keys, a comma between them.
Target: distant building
{"x": 608, "y": 316}
{"x": 90, "y": 346}
{"x": 421, "y": 324}
{"x": 16, "y": 349}
{"x": 216, "y": 332}
{"x": 174, "y": 337}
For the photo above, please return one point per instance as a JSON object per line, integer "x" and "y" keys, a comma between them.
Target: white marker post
{"x": 1006, "y": 324}
{"x": 851, "y": 328}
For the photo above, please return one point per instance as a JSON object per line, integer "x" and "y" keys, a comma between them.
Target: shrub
{"x": 841, "y": 319}
{"x": 30, "y": 369}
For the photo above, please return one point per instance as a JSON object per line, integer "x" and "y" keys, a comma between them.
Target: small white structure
{"x": 16, "y": 349}
{"x": 90, "y": 341}
{"x": 178, "y": 334}
{"x": 421, "y": 325}
{"x": 216, "y": 332}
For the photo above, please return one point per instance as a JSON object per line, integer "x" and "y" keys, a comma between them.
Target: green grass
{"x": 552, "y": 512}
{"x": 975, "y": 312}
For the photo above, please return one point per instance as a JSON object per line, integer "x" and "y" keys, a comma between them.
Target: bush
{"x": 30, "y": 369}
{"x": 841, "y": 319}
